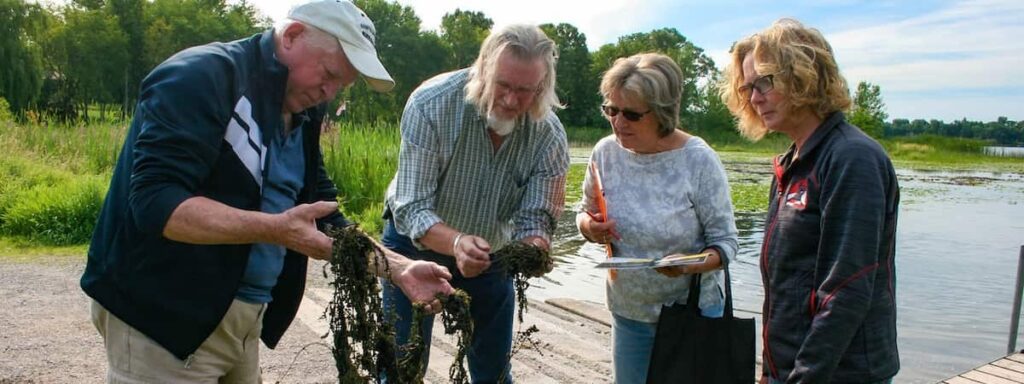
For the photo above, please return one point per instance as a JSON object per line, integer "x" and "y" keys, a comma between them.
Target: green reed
{"x": 79, "y": 148}
{"x": 362, "y": 159}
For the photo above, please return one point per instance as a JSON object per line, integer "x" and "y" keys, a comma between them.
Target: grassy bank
{"x": 53, "y": 177}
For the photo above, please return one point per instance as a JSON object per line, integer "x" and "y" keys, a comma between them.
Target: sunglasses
{"x": 762, "y": 84}
{"x": 611, "y": 111}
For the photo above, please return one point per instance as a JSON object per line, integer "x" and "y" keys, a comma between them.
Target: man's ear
{"x": 291, "y": 34}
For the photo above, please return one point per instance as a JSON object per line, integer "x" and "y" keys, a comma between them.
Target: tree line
{"x": 56, "y": 61}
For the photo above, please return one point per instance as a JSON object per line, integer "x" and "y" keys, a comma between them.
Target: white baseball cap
{"x": 354, "y": 31}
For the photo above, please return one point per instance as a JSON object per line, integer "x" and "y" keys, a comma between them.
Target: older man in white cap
{"x": 213, "y": 210}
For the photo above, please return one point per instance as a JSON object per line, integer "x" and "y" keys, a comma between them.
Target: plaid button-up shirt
{"x": 448, "y": 170}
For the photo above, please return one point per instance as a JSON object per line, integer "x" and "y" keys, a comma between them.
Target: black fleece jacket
{"x": 201, "y": 128}
{"x": 827, "y": 261}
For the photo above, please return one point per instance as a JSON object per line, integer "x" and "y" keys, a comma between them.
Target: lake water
{"x": 958, "y": 240}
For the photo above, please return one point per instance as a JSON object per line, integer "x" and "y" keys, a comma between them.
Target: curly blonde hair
{"x": 805, "y": 71}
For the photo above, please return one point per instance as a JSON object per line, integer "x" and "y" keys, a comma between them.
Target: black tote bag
{"x": 690, "y": 348}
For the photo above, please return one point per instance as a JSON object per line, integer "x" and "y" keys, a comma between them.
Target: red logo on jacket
{"x": 796, "y": 197}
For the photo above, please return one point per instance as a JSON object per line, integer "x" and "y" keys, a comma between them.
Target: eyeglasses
{"x": 762, "y": 84}
{"x": 518, "y": 91}
{"x": 611, "y": 111}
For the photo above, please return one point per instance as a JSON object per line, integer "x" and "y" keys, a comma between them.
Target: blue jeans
{"x": 492, "y": 299}
{"x": 632, "y": 343}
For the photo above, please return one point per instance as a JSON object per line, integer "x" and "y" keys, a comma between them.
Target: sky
{"x": 947, "y": 60}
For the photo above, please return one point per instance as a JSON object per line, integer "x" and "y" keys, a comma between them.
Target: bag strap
{"x": 693, "y": 298}
{"x": 728, "y": 291}
{"x": 694, "y": 295}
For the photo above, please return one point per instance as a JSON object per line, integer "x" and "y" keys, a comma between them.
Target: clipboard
{"x": 667, "y": 261}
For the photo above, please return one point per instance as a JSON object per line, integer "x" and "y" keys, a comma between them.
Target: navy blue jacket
{"x": 201, "y": 128}
{"x": 827, "y": 261}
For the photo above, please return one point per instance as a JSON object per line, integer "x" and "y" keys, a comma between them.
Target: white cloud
{"x": 949, "y": 108}
{"x": 968, "y": 46}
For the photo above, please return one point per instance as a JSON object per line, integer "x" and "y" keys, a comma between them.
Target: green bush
{"x": 18, "y": 174}
{"x": 61, "y": 214}
{"x": 5, "y": 111}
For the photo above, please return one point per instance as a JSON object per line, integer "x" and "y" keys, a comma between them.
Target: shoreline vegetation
{"x": 53, "y": 177}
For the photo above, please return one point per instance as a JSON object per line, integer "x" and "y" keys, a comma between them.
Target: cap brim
{"x": 369, "y": 66}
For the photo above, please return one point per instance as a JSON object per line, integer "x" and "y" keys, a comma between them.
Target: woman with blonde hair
{"x": 827, "y": 261}
{"x": 667, "y": 194}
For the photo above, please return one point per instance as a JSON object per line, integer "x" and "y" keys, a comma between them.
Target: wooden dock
{"x": 1008, "y": 370}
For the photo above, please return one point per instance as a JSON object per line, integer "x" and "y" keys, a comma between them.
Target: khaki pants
{"x": 229, "y": 355}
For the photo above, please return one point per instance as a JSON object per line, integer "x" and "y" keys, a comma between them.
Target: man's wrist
{"x": 455, "y": 243}
{"x": 396, "y": 266}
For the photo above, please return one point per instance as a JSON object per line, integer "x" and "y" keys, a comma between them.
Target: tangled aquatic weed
{"x": 364, "y": 340}
{"x": 521, "y": 262}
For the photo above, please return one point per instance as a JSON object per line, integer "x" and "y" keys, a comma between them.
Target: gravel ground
{"x": 46, "y": 335}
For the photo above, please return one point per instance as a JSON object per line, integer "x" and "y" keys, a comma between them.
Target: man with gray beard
{"x": 482, "y": 163}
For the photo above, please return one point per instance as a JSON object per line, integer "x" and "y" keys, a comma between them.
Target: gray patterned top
{"x": 675, "y": 201}
{"x": 449, "y": 172}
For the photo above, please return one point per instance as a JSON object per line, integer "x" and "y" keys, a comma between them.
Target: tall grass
{"x": 362, "y": 159}
{"x": 46, "y": 205}
{"x": 586, "y": 136}
{"x": 939, "y": 152}
{"x": 53, "y": 176}
{"x": 80, "y": 148}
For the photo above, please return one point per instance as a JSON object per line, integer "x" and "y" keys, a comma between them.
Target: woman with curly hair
{"x": 827, "y": 258}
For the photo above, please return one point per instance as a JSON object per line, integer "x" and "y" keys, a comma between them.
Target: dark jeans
{"x": 492, "y": 307}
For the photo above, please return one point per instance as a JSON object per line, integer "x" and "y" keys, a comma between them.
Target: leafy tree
{"x": 173, "y": 25}
{"x": 21, "y": 67}
{"x": 868, "y": 111}
{"x": 709, "y": 117}
{"x": 898, "y": 127}
{"x": 129, "y": 15}
{"x": 93, "y": 51}
{"x": 411, "y": 56}
{"x": 464, "y": 32}
{"x": 697, "y": 67}
{"x": 91, "y": 5}
{"x": 578, "y": 93}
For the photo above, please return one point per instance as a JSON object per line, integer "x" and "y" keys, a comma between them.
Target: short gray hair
{"x": 525, "y": 42}
{"x": 316, "y": 37}
{"x": 650, "y": 78}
